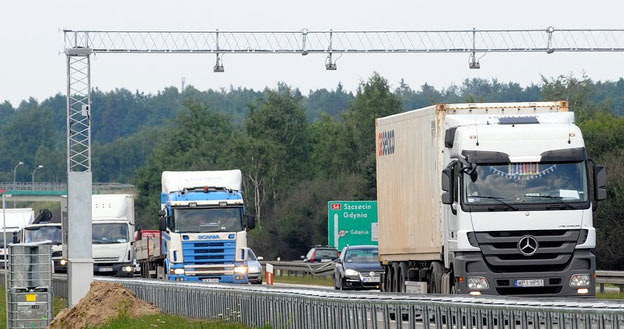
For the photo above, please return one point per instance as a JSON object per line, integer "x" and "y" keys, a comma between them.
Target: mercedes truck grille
{"x": 209, "y": 257}
{"x": 527, "y": 251}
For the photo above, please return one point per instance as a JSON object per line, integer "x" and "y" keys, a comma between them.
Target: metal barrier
{"x": 301, "y": 268}
{"x": 612, "y": 277}
{"x": 257, "y": 306}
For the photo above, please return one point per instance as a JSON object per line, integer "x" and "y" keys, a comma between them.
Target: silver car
{"x": 254, "y": 267}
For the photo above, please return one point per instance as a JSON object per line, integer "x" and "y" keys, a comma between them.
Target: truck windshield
{"x": 519, "y": 183}
{"x": 106, "y": 233}
{"x": 42, "y": 233}
{"x": 202, "y": 220}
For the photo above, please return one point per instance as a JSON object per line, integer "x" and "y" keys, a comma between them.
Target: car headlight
{"x": 350, "y": 272}
{"x": 177, "y": 271}
{"x": 477, "y": 283}
{"x": 240, "y": 269}
{"x": 580, "y": 280}
{"x": 63, "y": 262}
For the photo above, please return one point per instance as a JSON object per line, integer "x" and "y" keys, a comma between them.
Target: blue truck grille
{"x": 209, "y": 252}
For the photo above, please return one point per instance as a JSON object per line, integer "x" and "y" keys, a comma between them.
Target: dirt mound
{"x": 104, "y": 302}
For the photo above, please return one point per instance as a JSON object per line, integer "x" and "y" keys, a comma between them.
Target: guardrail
{"x": 258, "y": 306}
{"x": 612, "y": 277}
{"x": 300, "y": 268}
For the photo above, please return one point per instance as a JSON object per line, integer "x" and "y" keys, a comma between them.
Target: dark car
{"x": 321, "y": 254}
{"x": 358, "y": 268}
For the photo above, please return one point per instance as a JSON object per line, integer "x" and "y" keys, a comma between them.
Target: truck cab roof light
{"x": 222, "y": 203}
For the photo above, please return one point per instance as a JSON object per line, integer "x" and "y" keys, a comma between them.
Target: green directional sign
{"x": 351, "y": 223}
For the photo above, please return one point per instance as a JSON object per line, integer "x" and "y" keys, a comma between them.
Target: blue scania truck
{"x": 203, "y": 226}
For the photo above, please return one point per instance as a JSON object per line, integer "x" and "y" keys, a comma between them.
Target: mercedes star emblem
{"x": 528, "y": 245}
{"x": 372, "y": 273}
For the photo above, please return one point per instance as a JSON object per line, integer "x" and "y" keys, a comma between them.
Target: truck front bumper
{"x": 117, "y": 269}
{"x": 517, "y": 281}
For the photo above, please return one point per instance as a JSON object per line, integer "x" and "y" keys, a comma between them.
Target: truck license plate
{"x": 529, "y": 283}
{"x": 212, "y": 280}
{"x": 106, "y": 269}
{"x": 370, "y": 279}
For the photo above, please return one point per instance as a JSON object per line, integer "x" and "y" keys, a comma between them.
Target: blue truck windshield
{"x": 203, "y": 220}
{"x": 106, "y": 233}
{"x": 526, "y": 183}
{"x": 42, "y": 233}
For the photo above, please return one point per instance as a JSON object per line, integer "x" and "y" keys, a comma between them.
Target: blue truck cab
{"x": 204, "y": 226}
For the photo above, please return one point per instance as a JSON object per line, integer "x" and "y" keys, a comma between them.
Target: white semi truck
{"x": 487, "y": 199}
{"x": 47, "y": 228}
{"x": 113, "y": 234}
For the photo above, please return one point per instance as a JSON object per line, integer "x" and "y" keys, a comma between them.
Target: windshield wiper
{"x": 552, "y": 198}
{"x": 499, "y": 199}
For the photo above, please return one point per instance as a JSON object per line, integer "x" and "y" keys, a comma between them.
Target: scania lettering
{"x": 492, "y": 198}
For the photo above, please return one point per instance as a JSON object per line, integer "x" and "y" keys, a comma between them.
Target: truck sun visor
{"x": 486, "y": 156}
{"x": 525, "y": 120}
{"x": 564, "y": 155}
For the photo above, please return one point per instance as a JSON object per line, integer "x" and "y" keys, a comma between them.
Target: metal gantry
{"x": 80, "y": 44}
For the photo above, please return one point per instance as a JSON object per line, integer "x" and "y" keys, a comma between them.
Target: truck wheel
{"x": 435, "y": 279}
{"x": 396, "y": 275}
{"x": 390, "y": 279}
{"x": 402, "y": 276}
{"x": 387, "y": 282}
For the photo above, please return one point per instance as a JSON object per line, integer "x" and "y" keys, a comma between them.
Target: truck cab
{"x": 113, "y": 234}
{"x": 204, "y": 226}
{"x": 16, "y": 219}
{"x": 48, "y": 232}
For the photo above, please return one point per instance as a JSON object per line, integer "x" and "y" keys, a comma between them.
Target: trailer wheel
{"x": 402, "y": 277}
{"x": 435, "y": 279}
{"x": 387, "y": 279}
{"x": 390, "y": 279}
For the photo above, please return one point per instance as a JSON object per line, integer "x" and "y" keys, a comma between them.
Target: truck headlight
{"x": 350, "y": 272}
{"x": 240, "y": 269}
{"x": 63, "y": 262}
{"x": 177, "y": 271}
{"x": 130, "y": 269}
{"x": 477, "y": 283}
{"x": 580, "y": 280}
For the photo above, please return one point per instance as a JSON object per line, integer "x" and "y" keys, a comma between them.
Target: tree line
{"x": 296, "y": 151}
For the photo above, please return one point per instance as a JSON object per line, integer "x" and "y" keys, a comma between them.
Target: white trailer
{"x": 113, "y": 234}
{"x": 490, "y": 198}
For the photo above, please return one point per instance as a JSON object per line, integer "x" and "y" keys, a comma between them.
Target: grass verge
{"x": 169, "y": 322}
{"x": 610, "y": 295}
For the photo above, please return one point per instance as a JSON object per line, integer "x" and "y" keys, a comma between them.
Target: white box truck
{"x": 113, "y": 234}
{"x": 487, "y": 199}
{"x": 16, "y": 220}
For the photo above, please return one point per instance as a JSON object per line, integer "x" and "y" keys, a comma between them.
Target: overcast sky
{"x": 31, "y": 63}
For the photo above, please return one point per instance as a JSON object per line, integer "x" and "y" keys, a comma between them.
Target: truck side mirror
{"x": 162, "y": 225}
{"x": 600, "y": 183}
{"x": 251, "y": 222}
{"x": 139, "y": 234}
{"x": 447, "y": 186}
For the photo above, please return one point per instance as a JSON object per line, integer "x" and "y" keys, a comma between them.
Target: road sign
{"x": 351, "y": 223}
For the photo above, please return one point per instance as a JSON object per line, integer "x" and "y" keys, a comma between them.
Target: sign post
{"x": 351, "y": 223}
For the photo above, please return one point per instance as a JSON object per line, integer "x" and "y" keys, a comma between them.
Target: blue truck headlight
{"x": 177, "y": 271}
{"x": 240, "y": 269}
{"x": 350, "y": 272}
{"x": 580, "y": 280}
{"x": 477, "y": 283}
